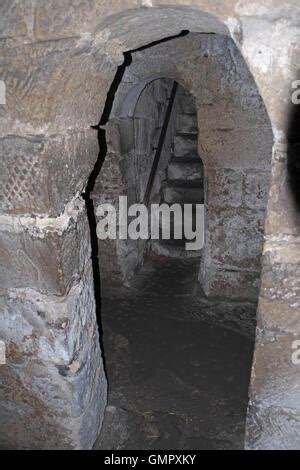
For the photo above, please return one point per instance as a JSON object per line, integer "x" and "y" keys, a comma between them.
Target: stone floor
{"x": 178, "y": 375}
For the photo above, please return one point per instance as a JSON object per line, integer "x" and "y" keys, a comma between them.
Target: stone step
{"x": 173, "y": 250}
{"x": 186, "y": 134}
{"x": 186, "y": 193}
{"x": 185, "y": 145}
{"x": 188, "y": 106}
{"x": 187, "y": 124}
{"x": 172, "y": 225}
{"x": 185, "y": 170}
{"x": 192, "y": 158}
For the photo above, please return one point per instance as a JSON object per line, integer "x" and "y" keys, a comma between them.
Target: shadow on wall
{"x": 89, "y": 189}
{"x": 293, "y": 154}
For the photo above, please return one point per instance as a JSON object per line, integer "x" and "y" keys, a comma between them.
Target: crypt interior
{"x": 118, "y": 343}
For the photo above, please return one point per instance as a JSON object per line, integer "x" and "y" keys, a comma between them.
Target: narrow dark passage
{"x": 176, "y": 382}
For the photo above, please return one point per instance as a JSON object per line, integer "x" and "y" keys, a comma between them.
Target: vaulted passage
{"x": 180, "y": 105}
{"x": 179, "y": 324}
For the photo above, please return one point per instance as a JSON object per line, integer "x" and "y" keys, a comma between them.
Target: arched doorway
{"x": 216, "y": 124}
{"x": 47, "y": 219}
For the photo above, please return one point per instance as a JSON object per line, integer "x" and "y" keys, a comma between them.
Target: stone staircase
{"x": 184, "y": 174}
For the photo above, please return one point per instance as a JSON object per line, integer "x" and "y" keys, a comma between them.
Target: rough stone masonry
{"x": 58, "y": 62}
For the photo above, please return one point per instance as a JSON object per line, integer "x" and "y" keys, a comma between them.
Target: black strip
{"x": 160, "y": 144}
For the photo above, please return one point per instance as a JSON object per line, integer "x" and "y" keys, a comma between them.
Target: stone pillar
{"x": 52, "y": 380}
{"x": 235, "y": 143}
{"x": 274, "y": 407}
{"x": 53, "y": 387}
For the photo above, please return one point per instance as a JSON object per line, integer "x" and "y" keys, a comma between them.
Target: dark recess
{"x": 96, "y": 170}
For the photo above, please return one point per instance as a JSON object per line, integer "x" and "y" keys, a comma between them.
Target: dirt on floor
{"x": 178, "y": 374}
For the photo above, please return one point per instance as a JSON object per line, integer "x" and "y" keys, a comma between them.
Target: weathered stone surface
{"x": 183, "y": 194}
{"x": 218, "y": 281}
{"x": 278, "y": 315}
{"x": 280, "y": 294}
{"x": 281, "y": 267}
{"x": 185, "y": 147}
{"x": 235, "y": 238}
{"x": 34, "y": 170}
{"x": 69, "y": 18}
{"x": 53, "y": 351}
{"x": 12, "y": 18}
{"x": 20, "y": 168}
{"x": 74, "y": 165}
{"x": 274, "y": 392}
{"x": 145, "y": 136}
{"x": 225, "y": 188}
{"x": 188, "y": 109}
{"x": 272, "y": 428}
{"x": 282, "y": 216}
{"x": 52, "y": 260}
{"x": 57, "y": 85}
{"x": 237, "y": 175}
{"x": 190, "y": 171}
{"x": 256, "y": 187}
{"x": 275, "y": 379}
{"x": 151, "y": 24}
{"x": 43, "y": 94}
{"x": 262, "y": 41}
{"x": 239, "y": 148}
{"x": 187, "y": 124}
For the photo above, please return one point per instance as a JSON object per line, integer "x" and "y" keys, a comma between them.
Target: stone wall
{"x": 234, "y": 143}
{"x": 58, "y": 60}
{"x": 132, "y": 139}
{"x": 183, "y": 182}
{"x": 53, "y": 381}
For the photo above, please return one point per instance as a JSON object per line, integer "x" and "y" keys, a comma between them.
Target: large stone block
{"x": 237, "y": 148}
{"x": 275, "y": 314}
{"x": 272, "y": 428}
{"x": 233, "y": 106}
{"x": 187, "y": 124}
{"x": 185, "y": 147}
{"x": 275, "y": 378}
{"x": 70, "y": 17}
{"x": 283, "y": 216}
{"x": 110, "y": 181}
{"x": 43, "y": 94}
{"x": 256, "y": 189}
{"x": 186, "y": 194}
{"x": 13, "y": 17}
{"x": 20, "y": 172}
{"x": 146, "y": 137}
{"x": 235, "y": 238}
{"x": 224, "y": 188}
{"x": 219, "y": 281}
{"x": 53, "y": 388}
{"x": 188, "y": 171}
{"x": 281, "y": 270}
{"x": 41, "y": 174}
{"x": 50, "y": 261}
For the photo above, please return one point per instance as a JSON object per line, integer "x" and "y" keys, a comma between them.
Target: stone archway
{"x": 53, "y": 358}
{"x": 235, "y": 141}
